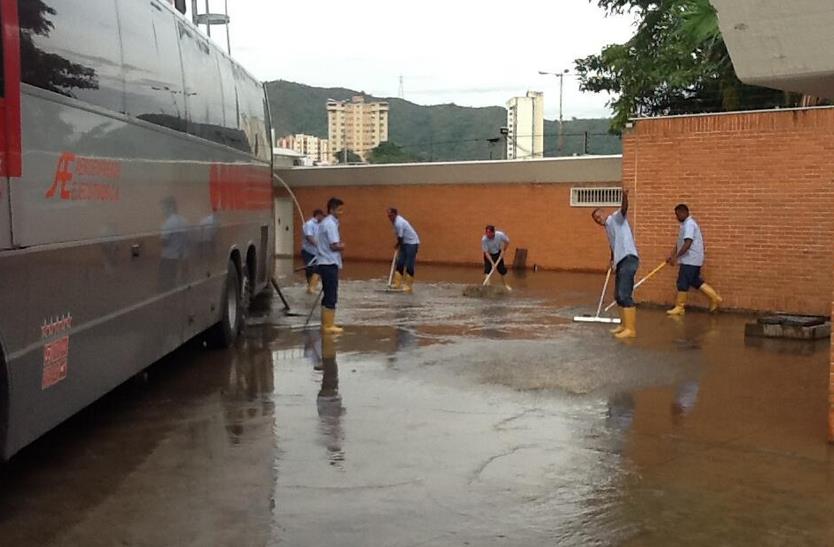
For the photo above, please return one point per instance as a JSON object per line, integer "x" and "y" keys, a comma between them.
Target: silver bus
{"x": 135, "y": 200}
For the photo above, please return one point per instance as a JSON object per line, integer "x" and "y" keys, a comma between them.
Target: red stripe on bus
{"x": 13, "y": 164}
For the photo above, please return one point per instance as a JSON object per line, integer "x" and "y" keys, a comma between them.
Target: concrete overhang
{"x": 781, "y": 44}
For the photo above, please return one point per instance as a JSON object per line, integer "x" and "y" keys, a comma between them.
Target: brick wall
{"x": 761, "y": 185}
{"x": 450, "y": 217}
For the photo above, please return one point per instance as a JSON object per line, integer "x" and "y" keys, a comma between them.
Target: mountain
{"x": 443, "y": 132}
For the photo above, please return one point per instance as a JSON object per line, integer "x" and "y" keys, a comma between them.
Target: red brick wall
{"x": 450, "y": 220}
{"x": 761, "y": 185}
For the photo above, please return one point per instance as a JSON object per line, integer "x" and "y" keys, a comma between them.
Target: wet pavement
{"x": 443, "y": 420}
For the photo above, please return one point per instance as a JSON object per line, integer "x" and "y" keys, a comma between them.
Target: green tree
{"x": 352, "y": 157}
{"x": 390, "y": 152}
{"x": 676, "y": 63}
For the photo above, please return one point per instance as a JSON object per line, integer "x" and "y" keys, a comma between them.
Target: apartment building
{"x": 525, "y": 126}
{"x": 356, "y": 125}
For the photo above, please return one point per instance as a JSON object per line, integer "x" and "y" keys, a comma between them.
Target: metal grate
{"x": 596, "y": 197}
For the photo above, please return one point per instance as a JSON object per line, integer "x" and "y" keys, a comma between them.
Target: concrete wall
{"x": 760, "y": 184}
{"x": 450, "y": 203}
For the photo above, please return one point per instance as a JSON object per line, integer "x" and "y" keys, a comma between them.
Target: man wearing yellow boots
{"x": 626, "y": 260}
{"x": 329, "y": 248}
{"x": 308, "y": 249}
{"x": 408, "y": 243}
{"x": 689, "y": 253}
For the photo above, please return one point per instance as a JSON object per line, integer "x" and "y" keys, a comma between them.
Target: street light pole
{"x": 561, "y": 76}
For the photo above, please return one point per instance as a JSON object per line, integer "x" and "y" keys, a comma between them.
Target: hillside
{"x": 444, "y": 132}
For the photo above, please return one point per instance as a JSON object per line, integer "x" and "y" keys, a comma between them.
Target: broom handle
{"x": 651, "y": 274}
{"x": 494, "y": 265}
{"x": 604, "y": 290}
{"x": 393, "y": 265}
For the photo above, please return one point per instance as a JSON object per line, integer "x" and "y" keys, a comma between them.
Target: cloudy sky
{"x": 470, "y": 52}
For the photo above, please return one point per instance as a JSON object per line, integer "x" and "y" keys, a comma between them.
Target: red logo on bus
{"x": 63, "y": 175}
{"x": 85, "y": 179}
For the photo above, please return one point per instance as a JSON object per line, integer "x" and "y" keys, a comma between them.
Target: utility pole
{"x": 561, "y": 120}
{"x": 402, "y": 88}
{"x": 561, "y": 76}
{"x": 585, "y": 144}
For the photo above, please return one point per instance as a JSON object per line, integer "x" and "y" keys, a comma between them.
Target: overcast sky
{"x": 470, "y": 52}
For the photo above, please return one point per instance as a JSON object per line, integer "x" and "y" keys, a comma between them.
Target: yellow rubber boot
{"x": 680, "y": 305}
{"x": 630, "y": 320}
{"x": 328, "y": 322}
{"x": 714, "y": 298}
{"x": 408, "y": 283}
{"x": 619, "y": 328}
{"x": 313, "y": 284}
{"x": 397, "y": 282}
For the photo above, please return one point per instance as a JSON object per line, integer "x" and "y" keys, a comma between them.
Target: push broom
{"x": 596, "y": 318}
{"x": 609, "y": 320}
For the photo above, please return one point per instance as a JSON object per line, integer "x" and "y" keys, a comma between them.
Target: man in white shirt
{"x": 308, "y": 249}
{"x": 329, "y": 248}
{"x": 408, "y": 243}
{"x": 689, "y": 253}
{"x": 494, "y": 245}
{"x": 625, "y": 258}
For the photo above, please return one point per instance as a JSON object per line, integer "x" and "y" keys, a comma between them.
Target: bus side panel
{"x": 5, "y": 215}
{"x": 127, "y": 238}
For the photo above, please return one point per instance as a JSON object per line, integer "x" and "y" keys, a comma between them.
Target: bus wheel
{"x": 224, "y": 334}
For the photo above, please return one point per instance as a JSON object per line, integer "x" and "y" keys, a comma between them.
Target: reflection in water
{"x": 251, "y": 383}
{"x": 312, "y": 347}
{"x": 686, "y": 396}
{"x": 329, "y": 404}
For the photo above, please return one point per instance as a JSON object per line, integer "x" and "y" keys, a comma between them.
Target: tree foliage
{"x": 352, "y": 157}
{"x": 676, "y": 63}
{"x": 390, "y": 152}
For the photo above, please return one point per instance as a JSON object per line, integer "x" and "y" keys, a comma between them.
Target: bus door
{"x": 10, "y": 147}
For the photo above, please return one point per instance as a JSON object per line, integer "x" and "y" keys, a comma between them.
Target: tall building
{"x": 525, "y": 126}
{"x": 315, "y": 149}
{"x": 356, "y": 125}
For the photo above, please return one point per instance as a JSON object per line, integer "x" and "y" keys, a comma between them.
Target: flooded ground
{"x": 443, "y": 420}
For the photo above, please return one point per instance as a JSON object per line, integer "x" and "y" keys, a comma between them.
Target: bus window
{"x": 73, "y": 49}
{"x": 153, "y": 72}
{"x": 203, "y": 97}
{"x": 235, "y": 137}
{"x": 252, "y": 114}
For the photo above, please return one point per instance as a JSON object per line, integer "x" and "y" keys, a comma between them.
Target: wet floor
{"x": 443, "y": 420}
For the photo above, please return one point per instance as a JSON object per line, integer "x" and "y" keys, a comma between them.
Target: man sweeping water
{"x": 494, "y": 244}
{"x": 626, "y": 259}
{"x": 329, "y": 250}
{"x": 308, "y": 249}
{"x": 408, "y": 243}
{"x": 689, "y": 253}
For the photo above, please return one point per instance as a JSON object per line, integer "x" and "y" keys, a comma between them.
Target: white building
{"x": 316, "y": 150}
{"x": 525, "y": 126}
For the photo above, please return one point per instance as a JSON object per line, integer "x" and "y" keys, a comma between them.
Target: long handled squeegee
{"x": 597, "y": 318}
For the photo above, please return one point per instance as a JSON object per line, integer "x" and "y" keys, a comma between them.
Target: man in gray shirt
{"x": 626, "y": 260}
{"x": 689, "y": 253}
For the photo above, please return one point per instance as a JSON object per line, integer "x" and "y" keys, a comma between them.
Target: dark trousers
{"x": 329, "y": 284}
{"x": 502, "y": 269}
{"x": 407, "y": 258}
{"x": 689, "y": 276}
{"x": 624, "y": 284}
{"x": 308, "y": 261}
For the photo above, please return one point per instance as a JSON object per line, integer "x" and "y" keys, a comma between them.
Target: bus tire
{"x": 225, "y": 333}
